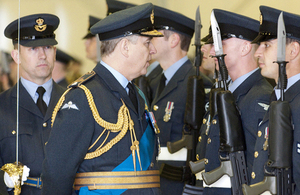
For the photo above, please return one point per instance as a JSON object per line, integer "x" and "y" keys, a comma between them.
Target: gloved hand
{"x": 9, "y": 180}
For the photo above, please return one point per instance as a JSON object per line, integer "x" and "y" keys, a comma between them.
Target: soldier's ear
{"x": 124, "y": 47}
{"x": 54, "y": 53}
{"x": 15, "y": 56}
{"x": 246, "y": 48}
{"x": 174, "y": 40}
{"x": 294, "y": 50}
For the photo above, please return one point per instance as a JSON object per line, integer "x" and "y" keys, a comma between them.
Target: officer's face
{"x": 140, "y": 53}
{"x": 36, "y": 62}
{"x": 208, "y": 62}
{"x": 232, "y": 48}
{"x": 91, "y": 48}
{"x": 161, "y": 45}
{"x": 266, "y": 54}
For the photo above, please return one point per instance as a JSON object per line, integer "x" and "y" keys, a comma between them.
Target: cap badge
{"x": 152, "y": 17}
{"x": 40, "y": 27}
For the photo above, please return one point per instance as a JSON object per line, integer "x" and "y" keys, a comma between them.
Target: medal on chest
{"x": 266, "y": 144}
{"x": 168, "y": 110}
{"x": 150, "y": 116}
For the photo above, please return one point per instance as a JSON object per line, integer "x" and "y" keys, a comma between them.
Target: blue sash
{"x": 147, "y": 144}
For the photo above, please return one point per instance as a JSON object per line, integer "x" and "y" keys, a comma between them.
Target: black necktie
{"x": 132, "y": 95}
{"x": 162, "y": 84}
{"x": 40, "y": 102}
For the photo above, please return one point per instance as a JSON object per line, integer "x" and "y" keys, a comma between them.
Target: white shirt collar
{"x": 31, "y": 88}
{"x": 169, "y": 73}
{"x": 120, "y": 78}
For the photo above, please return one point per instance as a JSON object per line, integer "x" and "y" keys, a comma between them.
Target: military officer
{"x": 60, "y": 69}
{"x": 91, "y": 44}
{"x": 248, "y": 87}
{"x": 101, "y": 126}
{"x": 38, "y": 94}
{"x": 114, "y": 6}
{"x": 267, "y": 54}
{"x": 208, "y": 63}
{"x": 143, "y": 81}
{"x": 169, "y": 102}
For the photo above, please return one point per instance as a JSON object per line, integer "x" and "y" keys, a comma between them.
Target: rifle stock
{"x": 268, "y": 184}
{"x": 232, "y": 143}
{"x": 185, "y": 141}
{"x": 281, "y": 146}
{"x": 214, "y": 175}
{"x": 197, "y": 166}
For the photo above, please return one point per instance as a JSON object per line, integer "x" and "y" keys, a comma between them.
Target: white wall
{"x": 73, "y": 16}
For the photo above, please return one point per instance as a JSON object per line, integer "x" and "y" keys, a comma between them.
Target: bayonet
{"x": 197, "y": 28}
{"x": 216, "y": 34}
{"x": 197, "y": 42}
{"x": 281, "y": 44}
{"x": 281, "y": 39}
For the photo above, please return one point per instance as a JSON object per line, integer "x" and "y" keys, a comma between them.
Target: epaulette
{"x": 82, "y": 79}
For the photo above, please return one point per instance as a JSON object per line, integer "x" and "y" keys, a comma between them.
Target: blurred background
{"x": 74, "y": 16}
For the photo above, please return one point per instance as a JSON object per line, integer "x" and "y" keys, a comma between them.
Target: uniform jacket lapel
{"x": 173, "y": 83}
{"x": 292, "y": 92}
{"x": 56, "y": 93}
{"x": 26, "y": 102}
{"x": 246, "y": 86}
{"x": 116, "y": 87}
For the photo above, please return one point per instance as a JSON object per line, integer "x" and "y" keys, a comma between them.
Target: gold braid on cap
{"x": 123, "y": 124}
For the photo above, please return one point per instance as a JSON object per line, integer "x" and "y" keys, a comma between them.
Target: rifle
{"x": 195, "y": 106}
{"x": 199, "y": 165}
{"x": 278, "y": 171}
{"x": 232, "y": 141}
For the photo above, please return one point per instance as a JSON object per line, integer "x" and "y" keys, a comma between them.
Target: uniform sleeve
{"x": 68, "y": 144}
{"x": 3, "y": 189}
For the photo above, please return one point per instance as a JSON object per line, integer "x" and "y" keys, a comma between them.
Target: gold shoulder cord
{"x": 123, "y": 124}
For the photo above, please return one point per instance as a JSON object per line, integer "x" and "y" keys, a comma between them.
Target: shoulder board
{"x": 82, "y": 79}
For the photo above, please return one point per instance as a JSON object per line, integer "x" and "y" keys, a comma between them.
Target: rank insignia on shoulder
{"x": 70, "y": 105}
{"x": 82, "y": 79}
{"x": 265, "y": 106}
{"x": 168, "y": 110}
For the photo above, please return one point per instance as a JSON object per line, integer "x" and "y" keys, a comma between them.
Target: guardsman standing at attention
{"x": 114, "y": 6}
{"x": 208, "y": 62}
{"x": 91, "y": 42}
{"x": 249, "y": 88}
{"x": 170, "y": 89}
{"x": 60, "y": 71}
{"x": 38, "y": 95}
{"x": 267, "y": 54}
{"x": 103, "y": 139}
